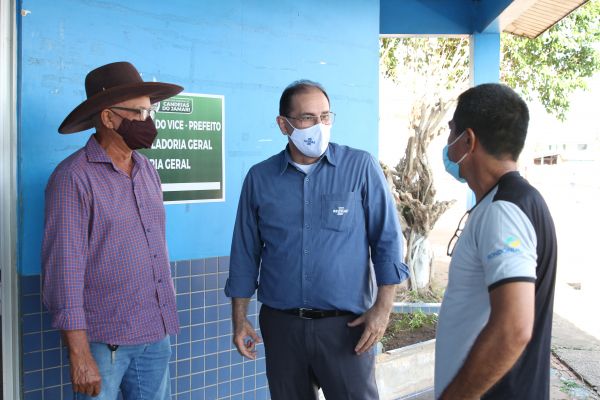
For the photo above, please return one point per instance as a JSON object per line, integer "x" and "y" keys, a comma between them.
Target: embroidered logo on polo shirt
{"x": 340, "y": 211}
{"x": 511, "y": 245}
{"x": 512, "y": 242}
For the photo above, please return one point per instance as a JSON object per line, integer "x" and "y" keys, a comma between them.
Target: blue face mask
{"x": 452, "y": 167}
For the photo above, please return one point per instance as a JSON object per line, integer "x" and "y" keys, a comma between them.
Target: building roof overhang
{"x": 530, "y": 18}
{"x": 527, "y": 18}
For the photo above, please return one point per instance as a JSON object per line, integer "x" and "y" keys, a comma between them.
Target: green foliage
{"x": 401, "y": 324}
{"x": 549, "y": 67}
{"x": 444, "y": 63}
{"x": 420, "y": 319}
{"x": 432, "y": 295}
{"x": 412, "y": 321}
{"x": 387, "y": 56}
{"x": 567, "y": 386}
{"x": 553, "y": 65}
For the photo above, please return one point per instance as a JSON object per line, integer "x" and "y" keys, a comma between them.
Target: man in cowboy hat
{"x": 106, "y": 274}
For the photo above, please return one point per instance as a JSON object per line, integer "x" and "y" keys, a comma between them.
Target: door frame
{"x": 11, "y": 371}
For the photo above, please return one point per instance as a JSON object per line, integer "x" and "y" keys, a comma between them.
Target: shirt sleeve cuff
{"x": 69, "y": 320}
{"x": 240, "y": 288}
{"x": 390, "y": 273}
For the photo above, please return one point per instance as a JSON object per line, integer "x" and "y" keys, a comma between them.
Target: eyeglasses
{"x": 144, "y": 113}
{"x": 310, "y": 120}
{"x": 461, "y": 226}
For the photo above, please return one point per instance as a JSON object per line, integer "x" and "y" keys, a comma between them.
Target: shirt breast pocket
{"x": 338, "y": 211}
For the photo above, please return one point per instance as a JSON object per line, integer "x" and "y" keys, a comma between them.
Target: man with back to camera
{"x": 106, "y": 274}
{"x": 307, "y": 219}
{"x": 494, "y": 330}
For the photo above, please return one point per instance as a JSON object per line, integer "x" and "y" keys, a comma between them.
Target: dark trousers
{"x": 305, "y": 354}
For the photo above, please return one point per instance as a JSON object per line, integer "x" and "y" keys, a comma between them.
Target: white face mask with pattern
{"x": 312, "y": 141}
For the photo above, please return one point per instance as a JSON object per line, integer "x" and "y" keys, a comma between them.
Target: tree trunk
{"x": 420, "y": 261}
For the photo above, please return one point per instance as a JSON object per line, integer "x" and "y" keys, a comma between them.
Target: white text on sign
{"x": 182, "y": 144}
{"x": 171, "y": 163}
{"x": 179, "y": 125}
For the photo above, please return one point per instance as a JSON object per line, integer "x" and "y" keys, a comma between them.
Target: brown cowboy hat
{"x": 111, "y": 84}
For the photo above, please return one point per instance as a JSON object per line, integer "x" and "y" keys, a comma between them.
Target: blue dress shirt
{"x": 304, "y": 240}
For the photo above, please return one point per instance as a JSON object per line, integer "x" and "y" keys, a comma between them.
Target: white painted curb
{"x": 405, "y": 371}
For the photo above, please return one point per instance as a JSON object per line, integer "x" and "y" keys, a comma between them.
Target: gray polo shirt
{"x": 509, "y": 236}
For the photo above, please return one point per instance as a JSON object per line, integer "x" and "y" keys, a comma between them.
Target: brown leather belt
{"x": 311, "y": 313}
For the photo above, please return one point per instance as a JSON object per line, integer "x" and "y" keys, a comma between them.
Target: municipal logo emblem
{"x": 309, "y": 141}
{"x": 511, "y": 245}
{"x": 340, "y": 211}
{"x": 512, "y": 242}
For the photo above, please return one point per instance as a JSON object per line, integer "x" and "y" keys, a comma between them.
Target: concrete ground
{"x": 579, "y": 354}
{"x": 571, "y": 190}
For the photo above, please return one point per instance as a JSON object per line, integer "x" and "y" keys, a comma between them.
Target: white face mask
{"x": 313, "y": 141}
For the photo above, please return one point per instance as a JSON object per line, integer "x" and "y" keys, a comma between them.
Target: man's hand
{"x": 375, "y": 319}
{"x": 241, "y": 332}
{"x": 242, "y": 329}
{"x": 85, "y": 376}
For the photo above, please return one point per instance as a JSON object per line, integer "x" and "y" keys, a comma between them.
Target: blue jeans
{"x": 140, "y": 372}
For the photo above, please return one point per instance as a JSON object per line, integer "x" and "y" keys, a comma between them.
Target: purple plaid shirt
{"x": 104, "y": 257}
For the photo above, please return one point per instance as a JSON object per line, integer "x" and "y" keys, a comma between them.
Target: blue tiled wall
{"x": 204, "y": 364}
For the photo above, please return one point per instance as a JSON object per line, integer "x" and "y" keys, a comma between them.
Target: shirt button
{"x": 307, "y": 226}
{"x": 147, "y": 229}
{"x": 306, "y": 202}
{"x": 305, "y": 251}
{"x": 306, "y": 180}
{"x": 159, "y": 281}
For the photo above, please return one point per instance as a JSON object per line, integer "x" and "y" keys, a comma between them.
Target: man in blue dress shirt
{"x": 309, "y": 220}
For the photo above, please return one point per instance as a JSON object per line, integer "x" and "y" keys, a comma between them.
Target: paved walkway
{"x": 579, "y": 352}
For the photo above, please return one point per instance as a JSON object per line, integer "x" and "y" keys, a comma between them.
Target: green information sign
{"x": 188, "y": 152}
